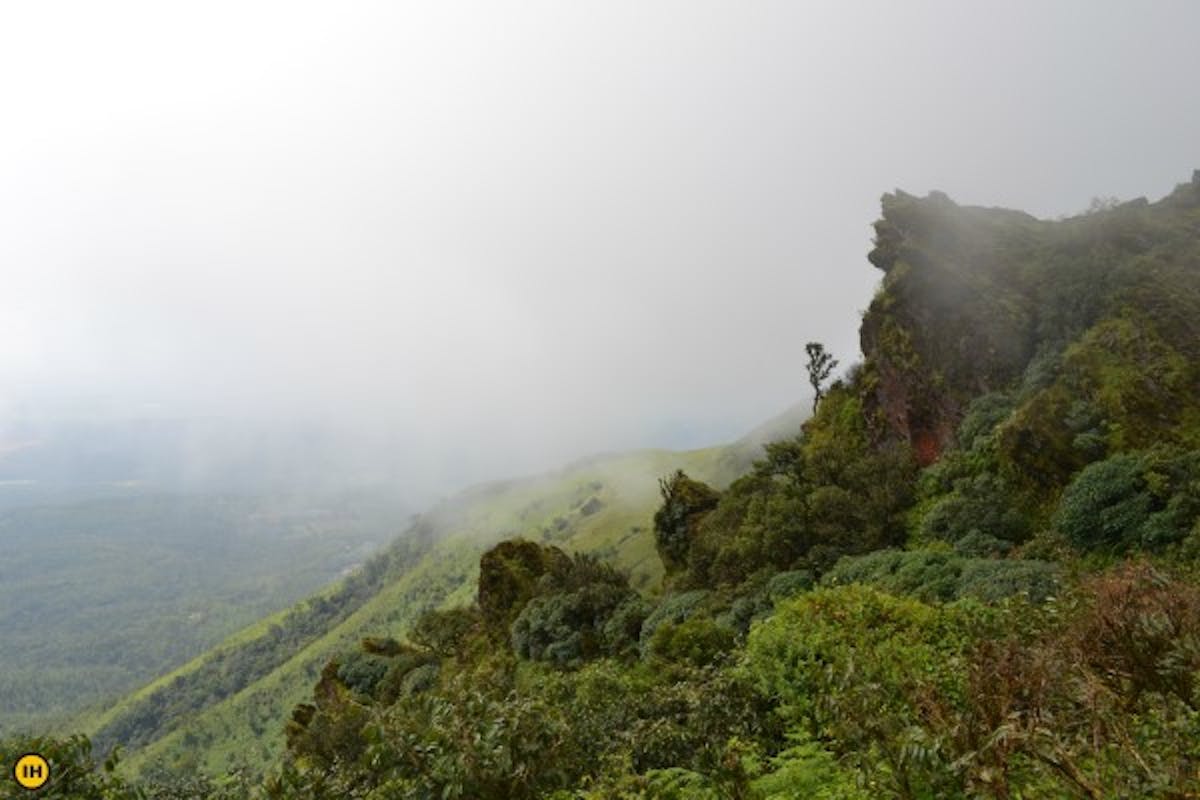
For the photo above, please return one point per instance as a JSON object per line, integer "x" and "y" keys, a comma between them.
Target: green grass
{"x": 601, "y": 505}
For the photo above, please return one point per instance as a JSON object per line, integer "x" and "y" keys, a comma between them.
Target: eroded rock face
{"x": 1108, "y": 301}
{"x": 949, "y": 322}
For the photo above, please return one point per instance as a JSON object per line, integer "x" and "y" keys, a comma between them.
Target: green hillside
{"x": 973, "y": 572}
{"x": 218, "y": 716}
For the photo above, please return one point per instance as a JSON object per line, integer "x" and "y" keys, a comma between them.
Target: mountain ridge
{"x": 633, "y": 549}
{"x": 971, "y": 573}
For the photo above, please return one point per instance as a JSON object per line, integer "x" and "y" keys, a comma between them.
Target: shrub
{"x": 979, "y": 504}
{"x": 698, "y": 641}
{"x": 509, "y": 577}
{"x": 983, "y": 415}
{"x": 73, "y": 768}
{"x": 623, "y": 628}
{"x": 807, "y": 771}
{"x": 419, "y": 679}
{"x": 761, "y": 597}
{"x": 401, "y": 667}
{"x": 674, "y": 608}
{"x": 1141, "y": 632}
{"x": 830, "y": 492}
{"x": 1140, "y": 499}
{"x": 1105, "y": 503}
{"x": 977, "y": 544}
{"x": 926, "y": 574}
{"x": 1095, "y": 698}
{"x": 565, "y": 628}
{"x": 865, "y": 668}
{"x": 991, "y": 579}
{"x": 941, "y": 575}
{"x": 783, "y": 585}
{"x": 362, "y": 671}
{"x": 445, "y": 633}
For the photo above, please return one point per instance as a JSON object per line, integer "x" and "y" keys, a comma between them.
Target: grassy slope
{"x": 247, "y": 726}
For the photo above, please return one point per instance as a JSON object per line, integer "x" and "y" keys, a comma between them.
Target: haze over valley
{"x": 582, "y": 401}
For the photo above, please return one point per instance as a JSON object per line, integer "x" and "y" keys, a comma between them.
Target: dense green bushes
{"x": 1095, "y": 697}
{"x": 812, "y": 499}
{"x": 980, "y": 508}
{"x": 567, "y": 627}
{"x": 510, "y": 575}
{"x": 917, "y": 597}
{"x": 74, "y": 770}
{"x": 942, "y": 575}
{"x": 853, "y": 664}
{"x": 1136, "y": 500}
{"x": 674, "y": 609}
{"x": 962, "y": 667}
{"x": 698, "y": 641}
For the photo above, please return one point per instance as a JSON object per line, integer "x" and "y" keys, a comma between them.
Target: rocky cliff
{"x": 976, "y": 301}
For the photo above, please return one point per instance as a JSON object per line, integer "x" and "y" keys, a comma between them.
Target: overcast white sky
{"x": 508, "y": 234}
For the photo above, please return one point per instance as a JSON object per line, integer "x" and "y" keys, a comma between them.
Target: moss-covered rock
{"x": 509, "y": 575}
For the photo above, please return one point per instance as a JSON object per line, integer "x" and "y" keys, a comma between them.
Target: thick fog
{"x": 472, "y": 240}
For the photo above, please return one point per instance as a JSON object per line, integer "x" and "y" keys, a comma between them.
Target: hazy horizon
{"x": 475, "y": 240}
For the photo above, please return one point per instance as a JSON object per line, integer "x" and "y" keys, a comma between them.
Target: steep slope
{"x": 973, "y": 573}
{"x": 227, "y": 707}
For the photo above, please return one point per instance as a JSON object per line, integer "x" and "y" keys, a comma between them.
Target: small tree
{"x": 820, "y": 366}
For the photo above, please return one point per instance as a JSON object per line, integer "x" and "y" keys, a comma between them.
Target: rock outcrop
{"x": 978, "y": 300}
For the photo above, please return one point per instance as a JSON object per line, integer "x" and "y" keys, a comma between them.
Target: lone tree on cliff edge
{"x": 820, "y": 366}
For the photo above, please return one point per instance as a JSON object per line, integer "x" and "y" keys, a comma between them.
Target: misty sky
{"x": 502, "y": 235}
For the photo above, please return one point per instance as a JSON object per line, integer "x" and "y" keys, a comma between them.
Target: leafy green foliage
{"x": 328, "y": 731}
{"x": 853, "y": 663}
{"x": 1132, "y": 500}
{"x": 444, "y": 633}
{"x": 623, "y": 629}
{"x": 698, "y": 641}
{"x": 243, "y": 730}
{"x": 980, "y": 507}
{"x": 565, "y": 628}
{"x": 674, "y": 609}
{"x": 756, "y": 598}
{"x": 74, "y": 771}
{"x": 509, "y": 577}
{"x": 807, "y": 770}
{"x": 496, "y": 730}
{"x": 1122, "y": 386}
{"x": 942, "y": 575}
{"x": 567, "y": 620}
{"x": 827, "y": 493}
{"x": 362, "y": 672}
{"x": 1094, "y": 698}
